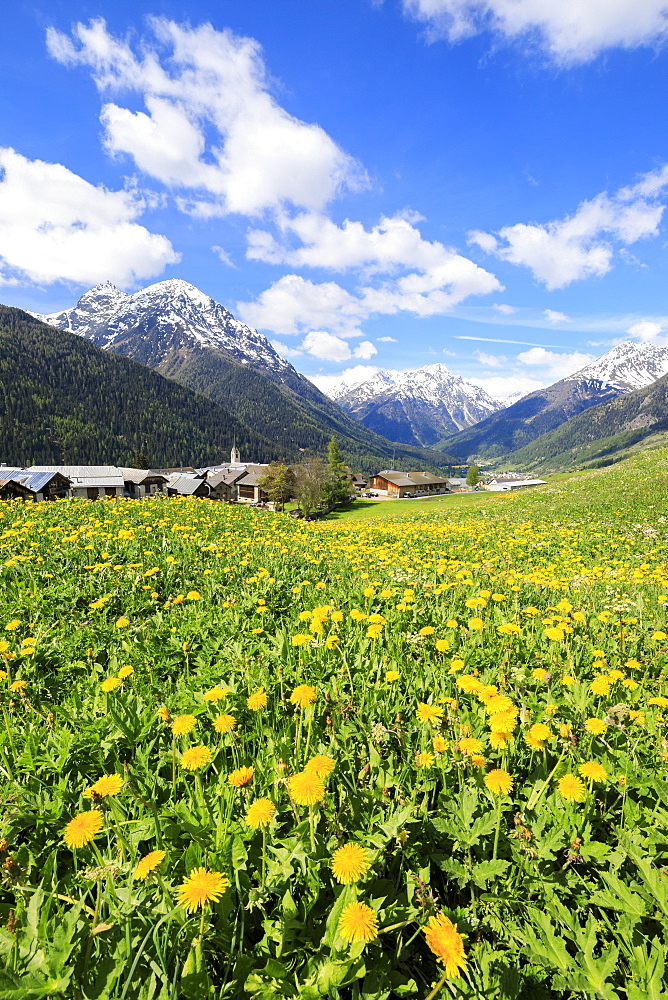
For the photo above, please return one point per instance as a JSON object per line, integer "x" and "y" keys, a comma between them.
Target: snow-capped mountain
{"x": 420, "y": 406}
{"x": 623, "y": 369}
{"x": 163, "y": 320}
{"x": 627, "y": 366}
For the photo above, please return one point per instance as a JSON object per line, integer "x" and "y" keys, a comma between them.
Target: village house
{"x": 187, "y": 486}
{"x": 408, "y": 484}
{"x": 143, "y": 482}
{"x": 88, "y": 481}
{"x": 35, "y": 485}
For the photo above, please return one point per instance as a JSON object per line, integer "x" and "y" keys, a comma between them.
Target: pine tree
{"x": 338, "y": 488}
{"x": 140, "y": 461}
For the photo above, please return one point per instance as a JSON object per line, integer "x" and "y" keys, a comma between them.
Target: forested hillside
{"x": 599, "y": 435}
{"x": 64, "y": 400}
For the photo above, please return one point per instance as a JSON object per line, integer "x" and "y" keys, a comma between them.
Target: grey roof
{"x": 185, "y": 485}
{"x": 32, "y": 478}
{"x": 85, "y": 475}
{"x": 410, "y": 478}
{"x": 139, "y": 475}
{"x": 250, "y": 479}
{"x": 225, "y": 477}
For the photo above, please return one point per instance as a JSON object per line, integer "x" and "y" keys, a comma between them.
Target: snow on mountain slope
{"x": 418, "y": 406}
{"x": 166, "y": 317}
{"x": 627, "y": 366}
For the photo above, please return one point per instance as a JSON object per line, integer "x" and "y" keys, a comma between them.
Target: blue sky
{"x": 372, "y": 184}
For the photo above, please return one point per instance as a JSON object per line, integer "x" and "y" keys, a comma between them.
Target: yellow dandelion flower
{"x": 192, "y": 595}
{"x": 571, "y": 788}
{"x": 499, "y": 781}
{"x": 108, "y": 784}
{"x": 260, "y": 813}
{"x": 440, "y": 744}
{"x": 18, "y": 686}
{"x": 240, "y": 777}
{"x": 183, "y": 724}
{"x": 350, "y": 863}
{"x": 215, "y": 693}
{"x": 83, "y": 828}
{"x": 539, "y": 674}
{"x": 200, "y": 887}
{"x": 224, "y": 723}
{"x": 195, "y": 757}
{"x": 427, "y": 630}
{"x": 126, "y": 671}
{"x": 303, "y": 696}
{"x": 358, "y": 922}
{"x": 122, "y": 622}
{"x": 428, "y": 713}
{"x": 306, "y": 788}
{"x": 424, "y": 760}
{"x": 469, "y": 746}
{"x": 110, "y": 684}
{"x": 321, "y": 764}
{"x": 147, "y": 864}
{"x": 600, "y": 685}
{"x": 163, "y": 713}
{"x": 257, "y": 700}
{"x": 595, "y": 726}
{"x": 447, "y": 944}
{"x": 594, "y": 771}
{"x": 392, "y": 675}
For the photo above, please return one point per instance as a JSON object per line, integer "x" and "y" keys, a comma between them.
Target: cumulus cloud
{"x": 56, "y": 226}
{"x": 211, "y": 126}
{"x": 580, "y": 245}
{"x": 387, "y": 340}
{"x": 327, "y": 347}
{"x": 399, "y": 272}
{"x": 645, "y": 330}
{"x": 424, "y": 277}
{"x": 557, "y": 366}
{"x": 569, "y": 32}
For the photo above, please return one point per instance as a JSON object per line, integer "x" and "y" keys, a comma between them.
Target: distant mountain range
{"x": 191, "y": 339}
{"x": 626, "y": 367}
{"x": 417, "y": 407}
{"x": 600, "y": 435}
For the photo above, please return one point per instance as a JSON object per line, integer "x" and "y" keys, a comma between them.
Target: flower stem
{"x": 498, "y": 827}
{"x": 437, "y": 987}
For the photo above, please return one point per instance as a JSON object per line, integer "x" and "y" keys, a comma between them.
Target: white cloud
{"x": 295, "y": 305}
{"x": 387, "y": 340}
{"x": 491, "y": 360}
{"x": 570, "y": 32}
{"x": 327, "y": 347}
{"x": 579, "y": 246}
{"x": 56, "y": 226}
{"x": 425, "y": 278}
{"x": 557, "y": 366}
{"x": 211, "y": 126}
{"x": 650, "y": 331}
{"x": 502, "y": 307}
{"x": 287, "y": 352}
{"x": 349, "y": 378}
{"x": 552, "y": 316}
{"x": 223, "y": 256}
{"x": 502, "y": 387}
{"x": 645, "y": 330}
